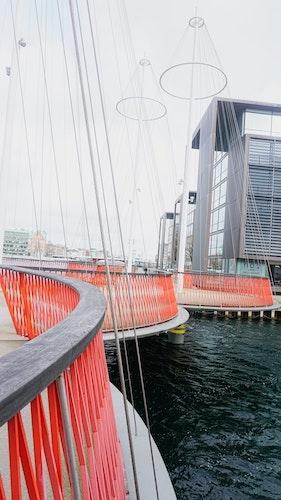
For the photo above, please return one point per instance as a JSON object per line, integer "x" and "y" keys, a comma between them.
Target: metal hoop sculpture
{"x": 196, "y": 22}
{"x": 138, "y": 102}
{"x": 211, "y": 66}
{"x": 144, "y": 62}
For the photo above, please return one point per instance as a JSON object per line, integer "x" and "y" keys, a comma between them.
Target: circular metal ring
{"x": 144, "y": 62}
{"x": 196, "y": 22}
{"x": 141, "y": 99}
{"x": 218, "y": 70}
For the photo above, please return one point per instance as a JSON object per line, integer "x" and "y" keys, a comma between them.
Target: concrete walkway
{"x": 9, "y": 340}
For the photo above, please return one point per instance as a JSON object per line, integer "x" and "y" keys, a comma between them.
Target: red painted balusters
{"x": 97, "y": 447}
{"x": 228, "y": 291}
{"x": 152, "y": 298}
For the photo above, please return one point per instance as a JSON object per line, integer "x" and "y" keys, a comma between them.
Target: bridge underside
{"x": 148, "y": 331}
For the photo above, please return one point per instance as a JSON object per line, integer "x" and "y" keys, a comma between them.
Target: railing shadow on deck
{"x": 59, "y": 434}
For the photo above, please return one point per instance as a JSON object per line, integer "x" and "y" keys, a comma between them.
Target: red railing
{"x": 56, "y": 447}
{"x": 225, "y": 291}
{"x": 88, "y": 266}
{"x": 36, "y": 303}
{"x": 101, "y": 268}
{"x": 152, "y": 298}
{"x": 94, "y": 266}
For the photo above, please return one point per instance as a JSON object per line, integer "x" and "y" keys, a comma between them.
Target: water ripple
{"x": 215, "y": 407}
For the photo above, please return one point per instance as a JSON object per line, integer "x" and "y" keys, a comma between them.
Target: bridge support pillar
{"x": 273, "y": 314}
{"x": 239, "y": 314}
{"x": 176, "y": 335}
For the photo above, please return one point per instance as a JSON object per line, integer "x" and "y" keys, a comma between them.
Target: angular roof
{"x": 239, "y": 106}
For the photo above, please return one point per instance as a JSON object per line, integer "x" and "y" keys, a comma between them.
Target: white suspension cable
{"x": 24, "y": 120}
{"x": 121, "y": 239}
{"x": 74, "y": 130}
{"x": 119, "y": 358}
{"x": 51, "y": 126}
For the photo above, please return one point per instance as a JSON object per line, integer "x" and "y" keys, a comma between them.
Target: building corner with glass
{"x": 237, "y": 221}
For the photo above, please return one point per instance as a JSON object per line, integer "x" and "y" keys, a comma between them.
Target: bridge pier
{"x": 175, "y": 339}
{"x": 176, "y": 335}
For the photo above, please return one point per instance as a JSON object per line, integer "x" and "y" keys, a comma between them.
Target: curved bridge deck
{"x": 224, "y": 292}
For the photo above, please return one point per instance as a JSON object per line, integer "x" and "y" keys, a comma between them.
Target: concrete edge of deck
{"x": 191, "y": 307}
{"x": 148, "y": 331}
{"x": 142, "y": 455}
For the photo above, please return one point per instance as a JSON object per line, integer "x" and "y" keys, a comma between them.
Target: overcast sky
{"x": 246, "y": 36}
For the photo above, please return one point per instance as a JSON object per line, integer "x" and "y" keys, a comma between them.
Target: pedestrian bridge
{"x": 139, "y": 300}
{"x": 152, "y": 295}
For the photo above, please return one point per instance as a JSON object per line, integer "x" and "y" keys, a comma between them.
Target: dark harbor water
{"x": 215, "y": 407}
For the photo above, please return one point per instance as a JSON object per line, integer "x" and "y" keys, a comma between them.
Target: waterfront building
{"x": 55, "y": 250}
{"x": 169, "y": 235}
{"x": 164, "y": 255}
{"x": 78, "y": 253}
{"x": 37, "y": 244}
{"x": 16, "y": 242}
{"x": 238, "y": 211}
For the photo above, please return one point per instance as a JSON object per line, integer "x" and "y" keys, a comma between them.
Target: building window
{"x": 276, "y": 125}
{"x": 218, "y": 204}
{"x": 216, "y": 245}
{"x": 220, "y": 170}
{"x": 219, "y": 195}
{"x": 217, "y": 220}
{"x": 263, "y": 123}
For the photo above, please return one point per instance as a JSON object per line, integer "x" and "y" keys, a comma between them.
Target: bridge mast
{"x": 184, "y": 200}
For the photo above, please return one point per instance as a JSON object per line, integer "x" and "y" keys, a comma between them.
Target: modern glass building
{"x": 16, "y": 242}
{"x": 238, "y": 211}
{"x": 167, "y": 255}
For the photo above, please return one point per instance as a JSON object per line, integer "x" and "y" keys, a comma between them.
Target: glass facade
{"x": 189, "y": 238}
{"x": 263, "y": 218}
{"x": 239, "y": 165}
{"x": 262, "y": 122}
{"x": 218, "y": 204}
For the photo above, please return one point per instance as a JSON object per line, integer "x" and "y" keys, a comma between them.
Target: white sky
{"x": 247, "y": 38}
